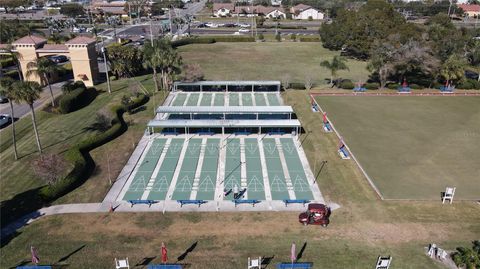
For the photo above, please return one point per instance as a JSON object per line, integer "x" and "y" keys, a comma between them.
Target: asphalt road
{"x": 210, "y": 31}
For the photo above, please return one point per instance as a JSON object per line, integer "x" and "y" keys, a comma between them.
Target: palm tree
{"x": 44, "y": 68}
{"x": 453, "y": 69}
{"x": 152, "y": 58}
{"x": 337, "y": 63}
{"x": 28, "y": 92}
{"x": 8, "y": 91}
{"x": 16, "y": 57}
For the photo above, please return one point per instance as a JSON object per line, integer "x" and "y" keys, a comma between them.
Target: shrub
{"x": 78, "y": 155}
{"x": 293, "y": 37}
{"x": 346, "y": 84}
{"x": 234, "y": 39}
{"x": 393, "y": 86}
{"x": 70, "y": 86}
{"x": 6, "y": 62}
{"x": 297, "y": 86}
{"x": 414, "y": 86}
{"x": 76, "y": 99}
{"x": 372, "y": 86}
{"x": 309, "y": 39}
{"x": 469, "y": 84}
{"x": 278, "y": 37}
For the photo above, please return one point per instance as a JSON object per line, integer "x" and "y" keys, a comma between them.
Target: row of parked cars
{"x": 228, "y": 25}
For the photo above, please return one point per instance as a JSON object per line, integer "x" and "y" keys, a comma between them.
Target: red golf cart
{"x": 316, "y": 214}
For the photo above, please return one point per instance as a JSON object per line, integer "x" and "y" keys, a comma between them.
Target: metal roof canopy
{"x": 230, "y": 83}
{"x": 223, "y": 123}
{"x": 225, "y": 109}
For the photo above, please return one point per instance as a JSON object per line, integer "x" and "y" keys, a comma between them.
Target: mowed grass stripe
{"x": 186, "y": 176}
{"x": 206, "y": 99}
{"x": 255, "y": 187}
{"x": 179, "y": 99}
{"x": 232, "y": 166}
{"x": 413, "y": 147}
{"x": 276, "y": 177}
{"x": 295, "y": 169}
{"x": 145, "y": 170}
{"x": 165, "y": 174}
{"x": 208, "y": 176}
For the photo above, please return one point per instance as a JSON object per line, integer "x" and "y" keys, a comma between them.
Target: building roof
{"x": 223, "y": 123}
{"x": 53, "y": 47}
{"x": 225, "y": 109}
{"x": 301, "y": 7}
{"x": 109, "y": 4}
{"x": 218, "y": 6}
{"x": 112, "y": 10}
{"x": 230, "y": 83}
{"x": 470, "y": 8}
{"x": 30, "y": 40}
{"x": 80, "y": 40}
{"x": 267, "y": 10}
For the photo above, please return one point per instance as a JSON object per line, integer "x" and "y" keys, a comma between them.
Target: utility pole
{"x": 151, "y": 32}
{"x": 104, "y": 52}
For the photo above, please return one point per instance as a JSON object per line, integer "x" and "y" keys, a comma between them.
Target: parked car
{"x": 59, "y": 59}
{"x": 3, "y": 99}
{"x": 5, "y": 120}
{"x": 243, "y": 30}
{"x": 316, "y": 214}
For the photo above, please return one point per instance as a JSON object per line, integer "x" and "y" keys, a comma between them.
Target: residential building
{"x": 305, "y": 12}
{"x": 472, "y": 11}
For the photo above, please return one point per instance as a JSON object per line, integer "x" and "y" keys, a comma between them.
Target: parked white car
{"x": 243, "y": 30}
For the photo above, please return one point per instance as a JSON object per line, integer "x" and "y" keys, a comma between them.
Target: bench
{"x": 343, "y": 153}
{"x": 296, "y": 201}
{"x": 165, "y": 266}
{"x": 35, "y": 267}
{"x": 191, "y": 202}
{"x": 251, "y": 201}
{"x": 315, "y": 108}
{"x": 145, "y": 202}
{"x": 299, "y": 265}
{"x": 205, "y": 133}
{"x": 242, "y": 133}
{"x": 403, "y": 89}
{"x": 447, "y": 89}
{"x": 276, "y": 133}
{"x": 326, "y": 127}
{"x": 359, "y": 89}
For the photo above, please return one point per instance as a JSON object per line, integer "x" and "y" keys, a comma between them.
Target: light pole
{"x": 104, "y": 52}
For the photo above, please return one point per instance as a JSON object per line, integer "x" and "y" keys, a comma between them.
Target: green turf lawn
{"x": 267, "y": 61}
{"x": 413, "y": 147}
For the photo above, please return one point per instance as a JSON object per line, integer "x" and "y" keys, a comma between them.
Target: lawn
{"x": 361, "y": 229}
{"x": 412, "y": 147}
{"x": 268, "y": 61}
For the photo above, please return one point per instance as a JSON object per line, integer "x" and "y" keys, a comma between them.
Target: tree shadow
{"x": 184, "y": 254}
{"x": 145, "y": 261}
{"x": 64, "y": 258}
{"x": 300, "y": 253}
{"x": 266, "y": 261}
{"x": 22, "y": 263}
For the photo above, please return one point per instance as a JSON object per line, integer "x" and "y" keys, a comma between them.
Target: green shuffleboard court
{"x": 185, "y": 179}
{"x": 234, "y": 99}
{"x": 412, "y": 147}
{"x": 232, "y": 166}
{"x": 179, "y": 99}
{"x": 278, "y": 185}
{"x": 219, "y": 99}
{"x": 193, "y": 99}
{"x": 260, "y": 99}
{"x": 247, "y": 99}
{"x": 273, "y": 99}
{"x": 206, "y": 99}
{"x": 208, "y": 176}
{"x": 255, "y": 185}
{"x": 295, "y": 169}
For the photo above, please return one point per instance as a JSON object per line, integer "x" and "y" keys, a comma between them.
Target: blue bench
{"x": 359, "y": 89}
{"x": 447, "y": 88}
{"x": 297, "y": 201}
{"x": 35, "y": 267}
{"x": 403, "y": 89}
{"x": 327, "y": 127}
{"x": 205, "y": 133}
{"x": 241, "y": 133}
{"x": 191, "y": 202}
{"x": 165, "y": 266}
{"x": 344, "y": 152}
{"x": 145, "y": 202}
{"x": 276, "y": 133}
{"x": 251, "y": 201}
{"x": 299, "y": 265}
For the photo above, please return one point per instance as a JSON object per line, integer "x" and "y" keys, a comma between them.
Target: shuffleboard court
{"x": 183, "y": 188}
{"x": 412, "y": 147}
{"x": 219, "y": 99}
{"x": 247, "y": 99}
{"x": 208, "y": 176}
{"x": 206, "y": 99}
{"x": 255, "y": 187}
{"x": 232, "y": 166}
{"x": 167, "y": 168}
{"x": 260, "y": 99}
{"x": 179, "y": 99}
{"x": 295, "y": 169}
{"x": 234, "y": 99}
{"x": 193, "y": 99}
{"x": 276, "y": 177}
{"x": 145, "y": 170}
{"x": 273, "y": 99}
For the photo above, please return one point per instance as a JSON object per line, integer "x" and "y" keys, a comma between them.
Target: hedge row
{"x": 309, "y": 39}
{"x": 79, "y": 156}
{"x": 210, "y": 40}
{"x": 75, "y": 99}
{"x": 7, "y": 62}
{"x": 282, "y": 26}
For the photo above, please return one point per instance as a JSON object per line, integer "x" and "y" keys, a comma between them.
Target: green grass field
{"x": 412, "y": 147}
{"x": 267, "y": 61}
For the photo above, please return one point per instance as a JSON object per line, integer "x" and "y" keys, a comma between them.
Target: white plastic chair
{"x": 255, "y": 263}
{"x": 383, "y": 262}
{"x": 431, "y": 250}
{"x": 448, "y": 194}
{"x": 122, "y": 264}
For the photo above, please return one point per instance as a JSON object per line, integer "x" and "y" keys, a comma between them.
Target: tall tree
{"x": 125, "y": 61}
{"x": 44, "y": 68}
{"x": 152, "y": 58}
{"x": 72, "y": 10}
{"x": 337, "y": 64}
{"x": 453, "y": 69}
{"x": 8, "y": 91}
{"x": 28, "y": 92}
